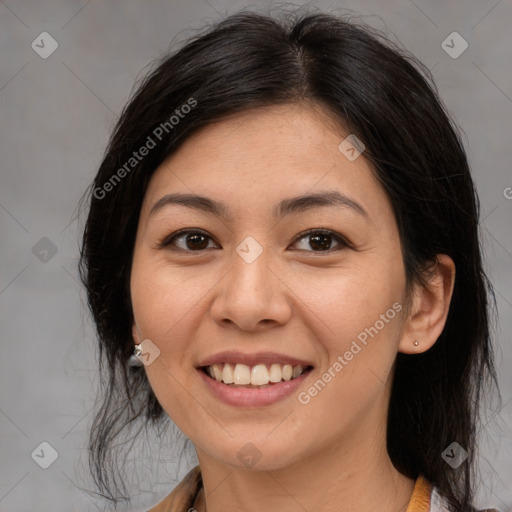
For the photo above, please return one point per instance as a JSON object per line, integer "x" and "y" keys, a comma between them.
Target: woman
{"x": 284, "y": 230}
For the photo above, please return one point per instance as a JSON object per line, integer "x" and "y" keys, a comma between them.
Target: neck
{"x": 352, "y": 476}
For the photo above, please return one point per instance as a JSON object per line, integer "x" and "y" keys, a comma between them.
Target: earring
{"x": 416, "y": 343}
{"x": 134, "y": 360}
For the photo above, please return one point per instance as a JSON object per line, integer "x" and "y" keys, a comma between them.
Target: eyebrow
{"x": 285, "y": 207}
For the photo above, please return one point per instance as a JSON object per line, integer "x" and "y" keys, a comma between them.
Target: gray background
{"x": 56, "y": 115}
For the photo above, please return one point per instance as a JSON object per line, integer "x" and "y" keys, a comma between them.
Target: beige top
{"x": 184, "y": 496}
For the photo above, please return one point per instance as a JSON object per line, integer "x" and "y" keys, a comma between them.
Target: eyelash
{"x": 342, "y": 242}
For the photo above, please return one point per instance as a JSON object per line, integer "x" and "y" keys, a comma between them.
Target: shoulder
{"x": 184, "y": 494}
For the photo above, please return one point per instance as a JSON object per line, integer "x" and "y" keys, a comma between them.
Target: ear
{"x": 135, "y": 333}
{"x": 429, "y": 308}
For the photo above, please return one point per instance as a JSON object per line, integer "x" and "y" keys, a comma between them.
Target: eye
{"x": 194, "y": 240}
{"x": 188, "y": 240}
{"x": 321, "y": 240}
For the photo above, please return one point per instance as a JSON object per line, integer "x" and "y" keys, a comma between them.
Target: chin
{"x": 257, "y": 455}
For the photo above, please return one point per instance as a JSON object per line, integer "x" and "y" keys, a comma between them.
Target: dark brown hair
{"x": 388, "y": 100}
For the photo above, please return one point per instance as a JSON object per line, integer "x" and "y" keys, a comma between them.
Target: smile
{"x": 252, "y": 380}
{"x": 259, "y": 375}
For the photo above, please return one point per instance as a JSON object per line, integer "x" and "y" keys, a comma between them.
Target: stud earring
{"x": 134, "y": 360}
{"x": 416, "y": 343}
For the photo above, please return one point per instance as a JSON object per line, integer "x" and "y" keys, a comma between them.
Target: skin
{"x": 329, "y": 454}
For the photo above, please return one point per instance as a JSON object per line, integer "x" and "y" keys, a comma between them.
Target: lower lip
{"x": 257, "y": 397}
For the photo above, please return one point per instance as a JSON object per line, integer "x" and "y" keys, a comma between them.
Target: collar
{"x": 421, "y": 494}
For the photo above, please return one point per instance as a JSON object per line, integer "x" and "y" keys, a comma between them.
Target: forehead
{"x": 262, "y": 155}
{"x": 295, "y": 134}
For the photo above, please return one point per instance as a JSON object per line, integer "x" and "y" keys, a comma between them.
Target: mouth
{"x": 258, "y": 376}
{"x": 253, "y": 380}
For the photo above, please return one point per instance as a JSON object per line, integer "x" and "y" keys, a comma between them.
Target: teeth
{"x": 217, "y": 372}
{"x": 227, "y": 374}
{"x": 242, "y": 374}
{"x": 276, "y": 375}
{"x": 258, "y": 375}
{"x": 287, "y": 371}
{"x": 297, "y": 370}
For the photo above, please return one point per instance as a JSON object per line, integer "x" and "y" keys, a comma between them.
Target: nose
{"x": 252, "y": 296}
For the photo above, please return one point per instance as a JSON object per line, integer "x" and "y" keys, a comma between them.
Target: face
{"x": 255, "y": 279}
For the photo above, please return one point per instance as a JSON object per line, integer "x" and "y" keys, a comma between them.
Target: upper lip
{"x": 252, "y": 359}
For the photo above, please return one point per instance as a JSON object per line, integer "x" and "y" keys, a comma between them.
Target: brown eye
{"x": 320, "y": 241}
{"x": 196, "y": 241}
{"x": 188, "y": 241}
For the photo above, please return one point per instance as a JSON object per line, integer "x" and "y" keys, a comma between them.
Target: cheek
{"x": 361, "y": 347}
{"x": 168, "y": 303}
{"x": 163, "y": 307}
{"x": 349, "y": 300}
{"x": 163, "y": 298}
{"x": 358, "y": 318}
